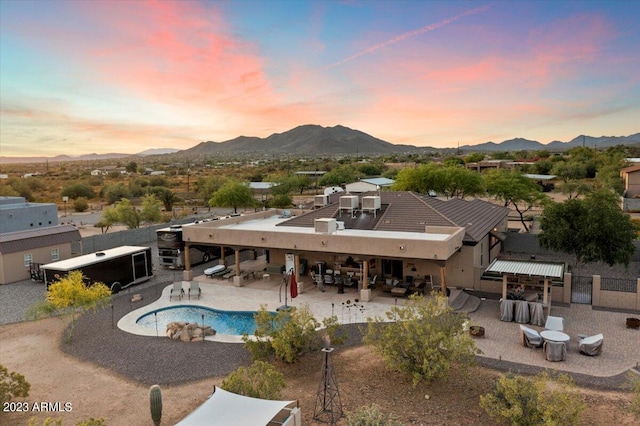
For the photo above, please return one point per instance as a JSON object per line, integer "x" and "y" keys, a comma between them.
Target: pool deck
{"x": 500, "y": 345}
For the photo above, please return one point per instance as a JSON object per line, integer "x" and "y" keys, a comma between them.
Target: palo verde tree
{"x": 453, "y": 181}
{"x": 593, "y": 229}
{"x": 422, "y": 338}
{"x": 233, "y": 194}
{"x": 514, "y": 189}
{"x": 70, "y": 296}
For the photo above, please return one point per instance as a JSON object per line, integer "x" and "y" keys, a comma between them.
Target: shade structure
{"x": 226, "y": 408}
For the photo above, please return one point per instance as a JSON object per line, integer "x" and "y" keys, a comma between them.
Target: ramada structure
{"x": 399, "y": 235}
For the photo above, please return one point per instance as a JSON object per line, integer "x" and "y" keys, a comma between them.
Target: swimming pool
{"x": 223, "y": 322}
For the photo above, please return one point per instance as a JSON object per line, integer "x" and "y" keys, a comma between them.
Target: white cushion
{"x": 592, "y": 339}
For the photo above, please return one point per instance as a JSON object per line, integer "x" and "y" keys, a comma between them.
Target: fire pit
{"x": 476, "y": 331}
{"x": 633, "y": 323}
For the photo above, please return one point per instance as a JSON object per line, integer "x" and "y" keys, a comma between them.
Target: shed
{"x": 20, "y": 250}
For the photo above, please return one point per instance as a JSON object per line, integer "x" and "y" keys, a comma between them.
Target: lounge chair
{"x": 555, "y": 351}
{"x": 529, "y": 337}
{"x": 591, "y": 345}
{"x": 176, "y": 291}
{"x": 194, "y": 289}
{"x": 554, "y": 323}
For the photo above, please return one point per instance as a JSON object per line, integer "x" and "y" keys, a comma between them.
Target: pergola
{"x": 527, "y": 272}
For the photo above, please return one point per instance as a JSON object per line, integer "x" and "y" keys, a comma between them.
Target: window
{"x": 28, "y": 258}
{"x": 55, "y": 254}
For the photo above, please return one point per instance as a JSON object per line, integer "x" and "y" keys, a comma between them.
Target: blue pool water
{"x": 223, "y": 322}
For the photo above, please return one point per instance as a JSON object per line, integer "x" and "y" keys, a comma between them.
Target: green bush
{"x": 422, "y": 339}
{"x": 370, "y": 415}
{"x": 289, "y": 334}
{"x": 541, "y": 400}
{"x": 12, "y": 385}
{"x": 81, "y": 204}
{"x": 77, "y": 190}
{"x": 259, "y": 380}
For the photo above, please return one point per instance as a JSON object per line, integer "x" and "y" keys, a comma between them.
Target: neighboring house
{"x": 631, "y": 178}
{"x": 489, "y": 164}
{"x": 391, "y": 235}
{"x": 368, "y": 184}
{"x": 20, "y": 250}
{"x": 17, "y": 214}
{"x": 96, "y": 172}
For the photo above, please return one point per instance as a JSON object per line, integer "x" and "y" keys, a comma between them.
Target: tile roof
{"x": 404, "y": 211}
{"x": 14, "y": 242}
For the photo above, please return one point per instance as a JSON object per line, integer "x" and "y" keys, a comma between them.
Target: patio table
{"x": 555, "y": 336}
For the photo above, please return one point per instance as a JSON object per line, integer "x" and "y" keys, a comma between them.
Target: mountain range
{"x": 311, "y": 140}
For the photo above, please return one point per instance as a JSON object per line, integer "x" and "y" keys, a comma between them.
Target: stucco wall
{"x": 14, "y": 262}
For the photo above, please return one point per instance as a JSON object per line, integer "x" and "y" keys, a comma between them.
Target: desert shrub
{"x": 289, "y": 334}
{"x": 370, "y": 415}
{"x": 259, "y": 380}
{"x": 12, "y": 385}
{"x": 81, "y": 204}
{"x": 633, "y": 383}
{"x": 541, "y": 400}
{"x": 77, "y": 190}
{"x": 423, "y": 339}
{"x": 115, "y": 192}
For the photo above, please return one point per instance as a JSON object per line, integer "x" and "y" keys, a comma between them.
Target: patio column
{"x": 187, "y": 274}
{"x": 296, "y": 269}
{"x": 545, "y": 292}
{"x": 237, "y": 261}
{"x": 365, "y": 292}
{"x": 222, "y": 256}
{"x": 504, "y": 286}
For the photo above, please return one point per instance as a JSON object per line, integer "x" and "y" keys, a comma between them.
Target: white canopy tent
{"x": 226, "y": 408}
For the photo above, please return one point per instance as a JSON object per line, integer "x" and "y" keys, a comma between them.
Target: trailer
{"x": 118, "y": 267}
{"x": 171, "y": 249}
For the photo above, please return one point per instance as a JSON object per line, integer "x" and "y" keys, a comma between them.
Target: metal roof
{"x": 539, "y": 177}
{"x": 525, "y": 267}
{"x": 14, "y": 242}
{"x": 381, "y": 181}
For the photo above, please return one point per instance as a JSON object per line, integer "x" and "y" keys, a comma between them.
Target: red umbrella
{"x": 294, "y": 285}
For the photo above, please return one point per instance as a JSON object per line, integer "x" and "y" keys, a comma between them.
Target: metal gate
{"x": 581, "y": 289}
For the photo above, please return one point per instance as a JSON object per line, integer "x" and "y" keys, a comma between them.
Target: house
{"x": 368, "y": 184}
{"x": 16, "y": 214}
{"x": 631, "y": 178}
{"x": 391, "y": 234}
{"x": 22, "y": 251}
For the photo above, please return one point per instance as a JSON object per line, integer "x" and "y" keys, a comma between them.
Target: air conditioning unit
{"x": 325, "y": 226}
{"x": 320, "y": 201}
{"x": 371, "y": 202}
{"x": 349, "y": 202}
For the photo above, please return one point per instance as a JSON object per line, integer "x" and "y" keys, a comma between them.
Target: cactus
{"x": 155, "y": 400}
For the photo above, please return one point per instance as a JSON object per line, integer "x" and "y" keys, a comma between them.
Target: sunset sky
{"x": 80, "y": 77}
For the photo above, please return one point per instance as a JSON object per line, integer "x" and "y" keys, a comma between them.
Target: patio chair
{"x": 591, "y": 345}
{"x": 555, "y": 351}
{"x": 506, "y": 309}
{"x": 529, "y": 337}
{"x": 554, "y": 323}
{"x": 176, "y": 291}
{"x": 194, "y": 289}
{"x": 522, "y": 311}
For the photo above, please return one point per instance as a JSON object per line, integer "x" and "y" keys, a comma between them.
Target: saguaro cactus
{"x": 155, "y": 400}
